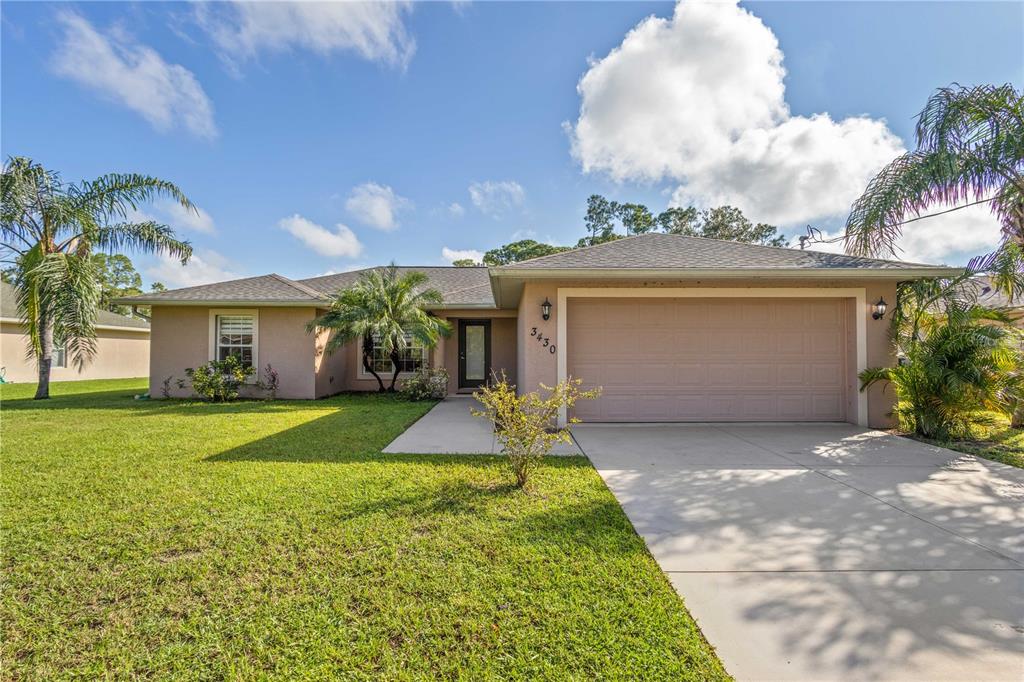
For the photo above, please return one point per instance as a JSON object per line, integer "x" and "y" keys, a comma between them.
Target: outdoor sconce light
{"x": 879, "y": 309}
{"x": 545, "y": 309}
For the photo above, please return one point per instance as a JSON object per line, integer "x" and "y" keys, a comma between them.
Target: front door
{"x": 474, "y": 352}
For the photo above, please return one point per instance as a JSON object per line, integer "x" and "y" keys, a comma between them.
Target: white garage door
{"x": 688, "y": 359}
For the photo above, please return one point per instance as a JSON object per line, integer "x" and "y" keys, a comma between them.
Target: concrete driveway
{"x": 819, "y": 552}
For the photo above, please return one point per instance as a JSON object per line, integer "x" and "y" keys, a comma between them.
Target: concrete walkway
{"x": 828, "y": 552}
{"x": 449, "y": 428}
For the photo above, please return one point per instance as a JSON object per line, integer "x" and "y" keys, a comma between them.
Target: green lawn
{"x": 272, "y": 539}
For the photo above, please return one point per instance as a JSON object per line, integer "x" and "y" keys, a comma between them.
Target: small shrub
{"x": 165, "y": 390}
{"x": 269, "y": 382}
{"x": 219, "y": 381}
{"x": 525, "y": 424}
{"x": 427, "y": 384}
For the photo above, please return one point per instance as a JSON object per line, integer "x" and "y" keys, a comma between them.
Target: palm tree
{"x": 970, "y": 148}
{"x": 48, "y": 231}
{"x": 385, "y": 308}
{"x": 958, "y": 360}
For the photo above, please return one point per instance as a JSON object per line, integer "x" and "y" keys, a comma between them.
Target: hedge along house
{"x": 673, "y": 328}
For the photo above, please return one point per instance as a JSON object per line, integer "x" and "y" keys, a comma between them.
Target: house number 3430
{"x": 545, "y": 340}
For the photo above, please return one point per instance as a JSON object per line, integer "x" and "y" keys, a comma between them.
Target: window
{"x": 235, "y": 335}
{"x": 412, "y": 358}
{"x": 59, "y": 358}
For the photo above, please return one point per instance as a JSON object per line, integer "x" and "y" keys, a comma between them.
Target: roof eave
{"x": 724, "y": 273}
{"x": 227, "y": 303}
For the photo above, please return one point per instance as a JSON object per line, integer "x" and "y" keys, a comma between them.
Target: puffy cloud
{"x": 205, "y": 267}
{"x": 699, "y": 100}
{"x": 376, "y": 205}
{"x": 342, "y": 242}
{"x": 178, "y": 217}
{"x": 496, "y": 197}
{"x": 452, "y": 255}
{"x": 375, "y": 31}
{"x": 168, "y": 96}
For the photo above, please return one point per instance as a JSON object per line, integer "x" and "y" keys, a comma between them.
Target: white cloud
{"x": 456, "y": 209}
{"x": 452, "y": 255}
{"x": 342, "y": 242}
{"x": 179, "y": 217}
{"x": 376, "y": 205}
{"x": 375, "y": 31}
{"x": 496, "y": 197}
{"x": 168, "y": 96}
{"x": 952, "y": 238}
{"x": 699, "y": 99}
{"x": 205, "y": 267}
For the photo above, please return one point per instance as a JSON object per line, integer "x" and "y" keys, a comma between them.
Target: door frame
{"x": 462, "y": 383}
{"x": 857, "y": 294}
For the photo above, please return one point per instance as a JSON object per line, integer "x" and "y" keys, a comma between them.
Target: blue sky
{"x": 434, "y": 126}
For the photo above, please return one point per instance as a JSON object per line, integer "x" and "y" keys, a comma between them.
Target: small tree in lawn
{"x": 524, "y": 424}
{"x": 385, "y": 308}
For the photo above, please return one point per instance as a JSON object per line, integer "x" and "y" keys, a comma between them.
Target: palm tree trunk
{"x": 1017, "y": 421}
{"x": 395, "y": 357}
{"x": 368, "y": 365}
{"x": 45, "y": 357}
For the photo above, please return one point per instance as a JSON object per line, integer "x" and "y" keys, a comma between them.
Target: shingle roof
{"x": 459, "y": 286}
{"x": 9, "y": 310}
{"x": 679, "y": 252}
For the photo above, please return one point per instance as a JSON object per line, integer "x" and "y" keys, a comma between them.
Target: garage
{"x": 712, "y": 359}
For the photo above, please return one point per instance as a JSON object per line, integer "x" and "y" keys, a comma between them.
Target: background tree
{"x": 970, "y": 147}
{"x": 387, "y": 308}
{"x": 519, "y": 251}
{"x": 117, "y": 277}
{"x": 724, "y": 222}
{"x": 465, "y": 263}
{"x": 157, "y": 287}
{"x": 48, "y": 231}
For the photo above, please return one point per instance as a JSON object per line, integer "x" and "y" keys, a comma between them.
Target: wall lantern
{"x": 879, "y": 309}
{"x": 545, "y": 309}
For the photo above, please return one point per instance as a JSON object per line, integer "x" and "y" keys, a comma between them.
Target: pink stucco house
{"x": 673, "y": 328}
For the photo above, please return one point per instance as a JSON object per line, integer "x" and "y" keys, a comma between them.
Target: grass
{"x": 999, "y": 442}
{"x": 273, "y": 540}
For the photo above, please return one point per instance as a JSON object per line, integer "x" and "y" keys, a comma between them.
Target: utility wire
{"x": 810, "y": 238}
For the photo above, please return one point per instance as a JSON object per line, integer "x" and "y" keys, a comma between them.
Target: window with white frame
{"x": 235, "y": 334}
{"x": 412, "y": 358}
{"x": 59, "y": 357}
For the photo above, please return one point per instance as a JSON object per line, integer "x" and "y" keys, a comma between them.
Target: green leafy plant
{"x": 958, "y": 361}
{"x": 430, "y": 383}
{"x": 386, "y": 306}
{"x": 525, "y": 424}
{"x": 219, "y": 380}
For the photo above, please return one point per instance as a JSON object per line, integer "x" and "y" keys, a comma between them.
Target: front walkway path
{"x": 449, "y": 428}
{"x": 829, "y": 552}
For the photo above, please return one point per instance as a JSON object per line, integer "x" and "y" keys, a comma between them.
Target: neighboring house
{"x": 122, "y": 347}
{"x": 673, "y": 328}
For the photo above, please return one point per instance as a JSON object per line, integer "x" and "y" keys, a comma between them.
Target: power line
{"x": 810, "y": 236}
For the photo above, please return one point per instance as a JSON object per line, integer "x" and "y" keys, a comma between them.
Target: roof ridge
{"x": 578, "y": 249}
{"x": 789, "y": 248}
{"x": 297, "y": 285}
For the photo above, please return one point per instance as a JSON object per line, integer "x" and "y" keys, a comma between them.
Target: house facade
{"x": 672, "y": 328}
{"x": 122, "y": 347}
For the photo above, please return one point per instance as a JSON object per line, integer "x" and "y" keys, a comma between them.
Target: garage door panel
{"x": 709, "y": 359}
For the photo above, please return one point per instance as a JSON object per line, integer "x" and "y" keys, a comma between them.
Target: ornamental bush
{"x": 219, "y": 381}
{"x": 525, "y": 425}
{"x": 427, "y": 384}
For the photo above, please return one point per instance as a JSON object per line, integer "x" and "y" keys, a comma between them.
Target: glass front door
{"x": 474, "y": 352}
